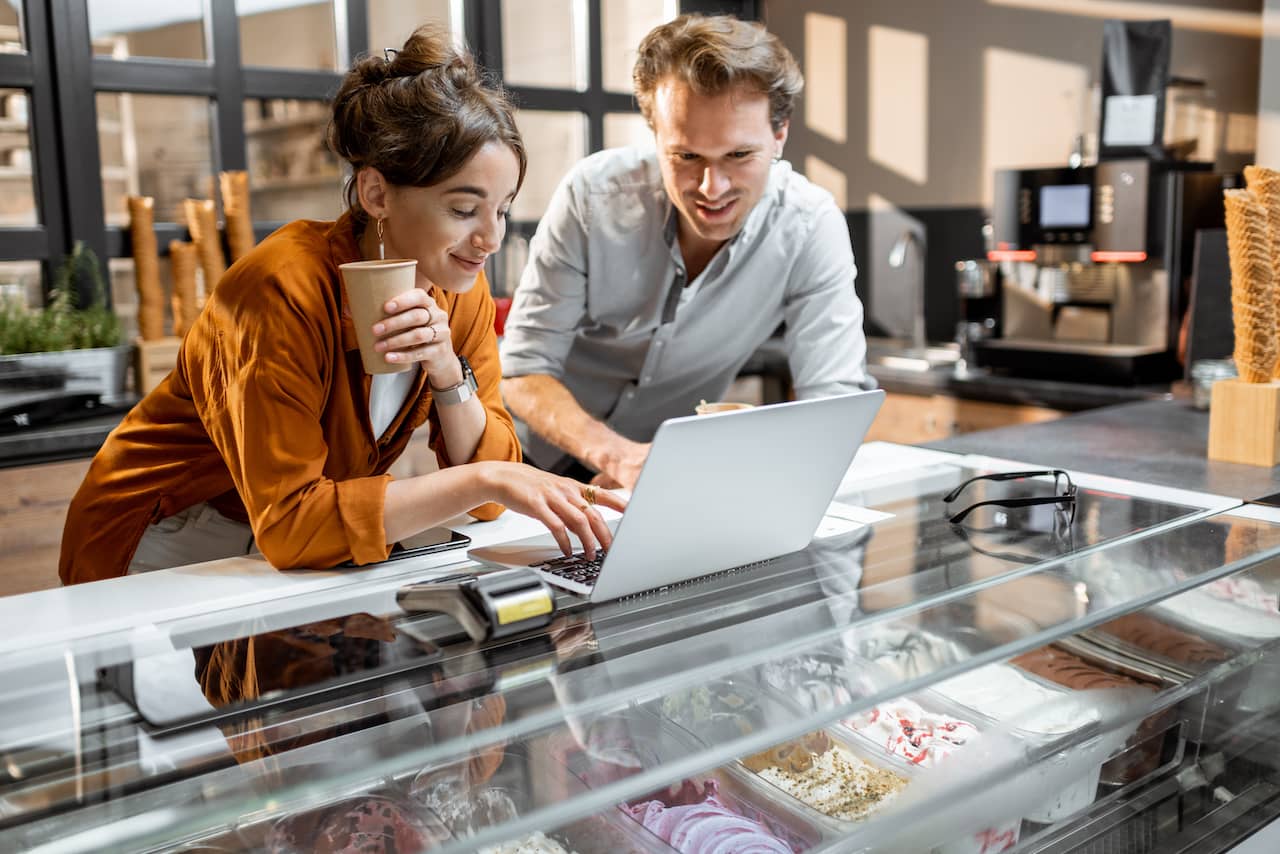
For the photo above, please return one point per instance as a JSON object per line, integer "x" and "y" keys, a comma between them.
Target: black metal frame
{"x": 63, "y": 113}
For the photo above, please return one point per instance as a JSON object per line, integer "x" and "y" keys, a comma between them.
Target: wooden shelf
{"x": 269, "y": 126}
{"x": 8, "y": 123}
{"x": 306, "y": 182}
{"x": 14, "y": 172}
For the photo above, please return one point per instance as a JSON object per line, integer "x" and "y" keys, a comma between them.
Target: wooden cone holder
{"x": 1244, "y": 422}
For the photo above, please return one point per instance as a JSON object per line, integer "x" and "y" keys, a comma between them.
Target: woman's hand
{"x": 564, "y": 505}
{"x": 416, "y": 329}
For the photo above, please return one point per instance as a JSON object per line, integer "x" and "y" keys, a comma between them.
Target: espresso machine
{"x": 1091, "y": 264}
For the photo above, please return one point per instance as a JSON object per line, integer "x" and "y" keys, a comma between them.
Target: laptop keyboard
{"x": 576, "y": 567}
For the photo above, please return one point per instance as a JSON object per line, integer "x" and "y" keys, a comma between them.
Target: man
{"x": 653, "y": 277}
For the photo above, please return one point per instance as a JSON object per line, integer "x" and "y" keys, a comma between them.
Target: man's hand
{"x": 621, "y": 463}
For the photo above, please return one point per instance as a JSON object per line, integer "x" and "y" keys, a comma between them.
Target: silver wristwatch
{"x": 460, "y": 392}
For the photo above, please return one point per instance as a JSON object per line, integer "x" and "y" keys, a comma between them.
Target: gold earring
{"x": 382, "y": 250}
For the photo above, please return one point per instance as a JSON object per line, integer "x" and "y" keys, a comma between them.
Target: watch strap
{"x": 459, "y": 392}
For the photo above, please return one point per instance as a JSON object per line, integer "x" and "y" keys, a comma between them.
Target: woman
{"x": 268, "y": 432}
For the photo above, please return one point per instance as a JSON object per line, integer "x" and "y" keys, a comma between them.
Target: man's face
{"x": 715, "y": 152}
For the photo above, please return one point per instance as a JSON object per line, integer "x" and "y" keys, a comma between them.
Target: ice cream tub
{"x": 722, "y": 710}
{"x": 924, "y": 730}
{"x": 828, "y": 776}
{"x": 1045, "y": 715}
{"x": 490, "y": 789}
{"x": 680, "y": 816}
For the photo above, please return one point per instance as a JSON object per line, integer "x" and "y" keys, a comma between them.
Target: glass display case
{"x": 1092, "y": 674}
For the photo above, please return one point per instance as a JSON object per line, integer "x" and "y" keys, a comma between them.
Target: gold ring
{"x": 589, "y": 493}
{"x": 435, "y": 333}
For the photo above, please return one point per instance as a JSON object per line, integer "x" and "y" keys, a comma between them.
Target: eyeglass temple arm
{"x": 1006, "y": 475}
{"x": 1013, "y": 502}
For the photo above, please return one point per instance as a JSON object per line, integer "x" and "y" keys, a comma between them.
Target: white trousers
{"x": 195, "y": 535}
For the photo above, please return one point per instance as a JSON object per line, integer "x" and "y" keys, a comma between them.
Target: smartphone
{"x": 425, "y": 543}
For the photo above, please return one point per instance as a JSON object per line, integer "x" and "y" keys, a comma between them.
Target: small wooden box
{"x": 1244, "y": 423}
{"x": 155, "y": 359}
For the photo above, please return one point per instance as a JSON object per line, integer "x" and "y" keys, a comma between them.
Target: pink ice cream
{"x": 698, "y": 821}
{"x": 920, "y": 737}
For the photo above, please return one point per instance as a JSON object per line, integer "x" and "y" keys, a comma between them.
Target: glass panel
{"x": 391, "y": 21}
{"x": 154, "y": 145}
{"x": 21, "y": 283}
{"x": 544, "y": 43}
{"x": 172, "y": 30}
{"x": 288, "y": 34}
{"x": 12, "y": 35}
{"x": 623, "y": 24}
{"x": 622, "y": 129}
{"x": 17, "y": 178}
{"x": 292, "y": 173}
{"x": 554, "y": 142}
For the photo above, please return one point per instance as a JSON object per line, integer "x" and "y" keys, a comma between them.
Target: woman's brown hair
{"x": 418, "y": 115}
{"x": 713, "y": 54}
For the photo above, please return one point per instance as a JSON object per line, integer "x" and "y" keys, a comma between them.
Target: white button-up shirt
{"x": 604, "y": 304}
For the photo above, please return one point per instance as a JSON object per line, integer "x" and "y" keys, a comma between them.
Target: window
{"x": 164, "y": 97}
{"x": 172, "y": 30}
{"x": 17, "y": 185}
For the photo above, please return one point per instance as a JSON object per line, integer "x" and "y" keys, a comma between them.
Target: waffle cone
{"x": 146, "y": 267}
{"x": 235, "y": 204}
{"x": 1253, "y": 301}
{"x": 202, "y": 222}
{"x": 1264, "y": 183}
{"x": 184, "y": 261}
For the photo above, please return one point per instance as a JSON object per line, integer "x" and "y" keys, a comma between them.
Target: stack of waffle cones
{"x": 1265, "y": 185}
{"x": 190, "y": 261}
{"x": 1253, "y": 283}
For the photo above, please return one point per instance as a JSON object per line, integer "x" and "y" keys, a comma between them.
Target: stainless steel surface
{"x": 897, "y": 259}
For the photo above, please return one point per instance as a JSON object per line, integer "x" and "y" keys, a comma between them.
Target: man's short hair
{"x": 713, "y": 54}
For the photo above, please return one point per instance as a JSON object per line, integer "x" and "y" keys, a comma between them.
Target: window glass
{"x": 22, "y": 283}
{"x": 623, "y": 23}
{"x": 554, "y": 141}
{"x": 288, "y": 34}
{"x": 292, "y": 173}
{"x": 17, "y": 178}
{"x": 544, "y": 43}
{"x": 12, "y": 38}
{"x": 392, "y": 21}
{"x": 154, "y": 145}
{"x": 171, "y": 30}
{"x": 626, "y": 129}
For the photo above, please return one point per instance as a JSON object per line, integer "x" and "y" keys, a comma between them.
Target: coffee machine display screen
{"x": 1065, "y": 206}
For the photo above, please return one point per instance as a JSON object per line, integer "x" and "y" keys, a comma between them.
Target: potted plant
{"x": 65, "y": 345}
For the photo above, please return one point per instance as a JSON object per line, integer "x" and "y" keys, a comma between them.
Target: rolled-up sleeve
{"x": 471, "y": 325}
{"x": 261, "y": 401}
{"x": 551, "y": 299}
{"x": 826, "y": 346}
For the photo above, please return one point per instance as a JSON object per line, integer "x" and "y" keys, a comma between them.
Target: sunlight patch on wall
{"x": 1033, "y": 107}
{"x": 898, "y": 101}
{"x": 828, "y": 178}
{"x": 825, "y": 96}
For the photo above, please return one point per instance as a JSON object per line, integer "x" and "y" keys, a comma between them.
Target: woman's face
{"x": 450, "y": 228}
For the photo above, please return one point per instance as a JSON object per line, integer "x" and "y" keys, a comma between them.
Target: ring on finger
{"x": 589, "y": 494}
{"x": 435, "y": 333}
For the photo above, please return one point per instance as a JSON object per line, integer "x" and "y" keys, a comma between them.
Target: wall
{"x": 965, "y": 87}
{"x": 1269, "y": 96}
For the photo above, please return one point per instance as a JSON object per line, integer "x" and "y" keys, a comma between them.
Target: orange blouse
{"x": 266, "y": 417}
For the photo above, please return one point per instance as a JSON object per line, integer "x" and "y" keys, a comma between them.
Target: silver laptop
{"x": 716, "y": 492}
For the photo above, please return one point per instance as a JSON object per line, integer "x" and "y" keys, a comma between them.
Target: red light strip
{"x": 1011, "y": 255}
{"x": 1124, "y": 257}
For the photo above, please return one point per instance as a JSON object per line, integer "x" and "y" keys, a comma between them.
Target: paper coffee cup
{"x": 705, "y": 408}
{"x": 370, "y": 284}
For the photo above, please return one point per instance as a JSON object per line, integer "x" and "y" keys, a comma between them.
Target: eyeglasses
{"x": 1064, "y": 497}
